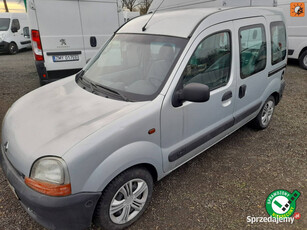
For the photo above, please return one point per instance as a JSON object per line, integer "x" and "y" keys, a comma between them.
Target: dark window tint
{"x": 4, "y": 24}
{"x": 278, "y": 42}
{"x": 15, "y": 24}
{"x": 210, "y": 63}
{"x": 253, "y": 52}
{"x": 26, "y": 32}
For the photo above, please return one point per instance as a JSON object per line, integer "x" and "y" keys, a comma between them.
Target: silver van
{"x": 161, "y": 91}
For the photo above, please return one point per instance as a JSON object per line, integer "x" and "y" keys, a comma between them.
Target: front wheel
{"x": 124, "y": 200}
{"x": 265, "y": 115}
{"x": 13, "y": 49}
{"x": 303, "y": 60}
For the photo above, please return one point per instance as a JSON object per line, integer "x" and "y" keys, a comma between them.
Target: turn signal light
{"x": 47, "y": 188}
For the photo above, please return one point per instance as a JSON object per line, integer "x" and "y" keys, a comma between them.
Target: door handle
{"x": 242, "y": 91}
{"x": 93, "y": 41}
{"x": 227, "y": 96}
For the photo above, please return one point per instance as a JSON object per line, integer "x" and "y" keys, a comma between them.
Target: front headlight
{"x": 51, "y": 170}
{"x": 49, "y": 175}
{"x": 1, "y": 37}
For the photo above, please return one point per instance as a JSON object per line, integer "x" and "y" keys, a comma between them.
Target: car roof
{"x": 182, "y": 23}
{"x": 10, "y": 15}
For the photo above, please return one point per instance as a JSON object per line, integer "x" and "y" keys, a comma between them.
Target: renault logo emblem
{"x": 6, "y": 146}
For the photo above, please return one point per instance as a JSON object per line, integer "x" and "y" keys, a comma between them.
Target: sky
{"x": 13, "y": 5}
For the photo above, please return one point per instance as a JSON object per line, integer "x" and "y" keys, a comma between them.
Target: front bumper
{"x": 4, "y": 47}
{"x": 70, "y": 212}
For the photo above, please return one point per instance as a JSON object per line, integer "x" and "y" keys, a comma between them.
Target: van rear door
{"x": 100, "y": 19}
{"x": 61, "y": 34}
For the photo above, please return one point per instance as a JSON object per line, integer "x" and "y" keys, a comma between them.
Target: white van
{"x": 294, "y": 11}
{"x": 128, "y": 15}
{"x": 66, "y": 33}
{"x": 14, "y": 32}
{"x": 160, "y": 92}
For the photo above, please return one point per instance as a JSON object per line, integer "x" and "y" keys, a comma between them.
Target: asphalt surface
{"x": 216, "y": 190}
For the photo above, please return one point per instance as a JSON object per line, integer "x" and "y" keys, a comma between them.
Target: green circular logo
{"x": 281, "y": 203}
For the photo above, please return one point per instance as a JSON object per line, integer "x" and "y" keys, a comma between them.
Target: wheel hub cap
{"x": 128, "y": 201}
{"x": 267, "y": 113}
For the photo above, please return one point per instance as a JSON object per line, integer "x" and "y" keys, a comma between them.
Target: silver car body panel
{"x": 52, "y": 119}
{"x": 98, "y": 137}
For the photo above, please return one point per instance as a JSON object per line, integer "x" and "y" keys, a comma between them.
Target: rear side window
{"x": 26, "y": 32}
{"x": 253, "y": 52}
{"x": 211, "y": 61}
{"x": 278, "y": 42}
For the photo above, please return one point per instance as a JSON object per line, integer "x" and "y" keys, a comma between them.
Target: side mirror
{"x": 194, "y": 92}
{"x": 14, "y": 29}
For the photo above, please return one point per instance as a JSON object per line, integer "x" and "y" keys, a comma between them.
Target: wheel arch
{"x": 123, "y": 159}
{"x": 276, "y": 97}
{"x": 302, "y": 51}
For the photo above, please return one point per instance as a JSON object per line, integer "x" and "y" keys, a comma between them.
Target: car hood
{"x": 52, "y": 119}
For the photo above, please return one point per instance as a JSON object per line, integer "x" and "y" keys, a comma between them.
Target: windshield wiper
{"x": 94, "y": 86}
{"x": 79, "y": 74}
{"x": 112, "y": 91}
{"x": 79, "y": 77}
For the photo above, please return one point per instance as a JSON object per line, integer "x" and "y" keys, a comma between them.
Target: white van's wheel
{"x": 124, "y": 200}
{"x": 264, "y": 117}
{"x": 303, "y": 60}
{"x": 13, "y": 49}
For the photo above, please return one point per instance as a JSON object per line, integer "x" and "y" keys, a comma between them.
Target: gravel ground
{"x": 216, "y": 190}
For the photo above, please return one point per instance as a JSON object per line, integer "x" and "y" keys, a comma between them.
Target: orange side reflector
{"x": 47, "y": 188}
{"x": 151, "y": 131}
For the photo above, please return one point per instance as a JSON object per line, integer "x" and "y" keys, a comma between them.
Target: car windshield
{"x": 4, "y": 24}
{"x": 135, "y": 66}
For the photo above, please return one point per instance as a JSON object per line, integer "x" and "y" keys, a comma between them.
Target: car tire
{"x": 265, "y": 115}
{"x": 13, "y": 49}
{"x": 303, "y": 60}
{"x": 118, "y": 207}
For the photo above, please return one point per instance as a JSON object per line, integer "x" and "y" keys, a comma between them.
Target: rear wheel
{"x": 265, "y": 115}
{"x": 303, "y": 60}
{"x": 13, "y": 49}
{"x": 124, "y": 200}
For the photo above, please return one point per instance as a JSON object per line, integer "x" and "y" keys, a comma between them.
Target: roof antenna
{"x": 144, "y": 27}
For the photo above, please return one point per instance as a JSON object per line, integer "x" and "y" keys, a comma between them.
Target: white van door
{"x": 61, "y": 34}
{"x": 190, "y": 128}
{"x": 100, "y": 19}
{"x": 253, "y": 69}
{"x": 25, "y": 41}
